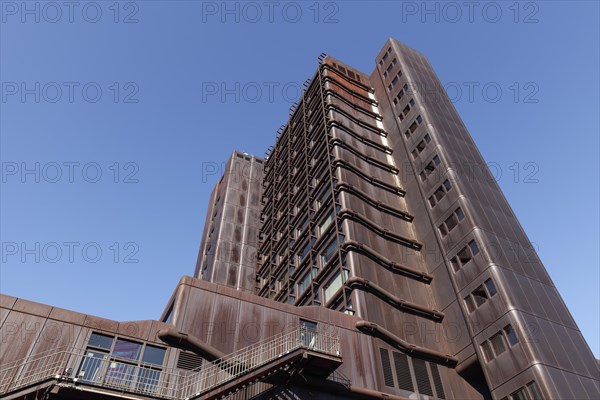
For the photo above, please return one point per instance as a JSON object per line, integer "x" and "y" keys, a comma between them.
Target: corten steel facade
{"x": 229, "y": 245}
{"x": 368, "y": 255}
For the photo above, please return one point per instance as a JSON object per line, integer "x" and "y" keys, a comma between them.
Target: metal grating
{"x": 386, "y": 365}
{"x": 403, "y": 371}
{"x": 189, "y": 361}
{"x": 437, "y": 381}
{"x": 423, "y": 382}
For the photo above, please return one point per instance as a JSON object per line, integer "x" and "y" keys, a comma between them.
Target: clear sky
{"x": 115, "y": 117}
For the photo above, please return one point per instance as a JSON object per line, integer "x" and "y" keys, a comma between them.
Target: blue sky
{"x": 122, "y": 113}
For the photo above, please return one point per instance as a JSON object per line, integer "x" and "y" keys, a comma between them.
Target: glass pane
{"x": 455, "y": 264}
{"x": 474, "y": 247}
{"x": 498, "y": 343}
{"x": 490, "y": 287}
{"x": 451, "y": 222}
{"x": 101, "y": 341}
{"x": 154, "y": 355}
{"x": 304, "y": 283}
{"x": 443, "y": 230}
{"x": 464, "y": 256}
{"x": 90, "y": 368}
{"x": 148, "y": 380}
{"x": 325, "y": 224}
{"x": 329, "y": 251}
{"x": 520, "y": 394}
{"x": 303, "y": 253}
{"x": 480, "y": 295}
{"x": 487, "y": 351}
{"x": 511, "y": 335}
{"x": 126, "y": 349}
{"x": 120, "y": 375}
{"x": 333, "y": 286}
{"x": 534, "y": 391}
{"x": 307, "y": 333}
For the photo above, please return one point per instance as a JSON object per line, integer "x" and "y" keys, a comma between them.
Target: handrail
{"x": 84, "y": 367}
{"x": 252, "y": 357}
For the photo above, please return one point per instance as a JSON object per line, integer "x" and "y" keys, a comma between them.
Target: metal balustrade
{"x": 77, "y": 366}
{"x": 250, "y": 358}
{"x": 86, "y": 367}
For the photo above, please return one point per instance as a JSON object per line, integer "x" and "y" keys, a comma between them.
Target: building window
{"x": 400, "y": 94}
{"x": 511, "y": 335}
{"x": 487, "y": 351}
{"x": 154, "y": 355}
{"x": 127, "y": 349}
{"x": 100, "y": 341}
{"x": 430, "y": 168}
{"x": 451, "y": 222}
{"x": 326, "y": 223}
{"x": 304, "y": 282}
{"x": 439, "y": 193}
{"x": 303, "y": 253}
{"x": 308, "y": 330}
{"x": 329, "y": 252}
{"x": 386, "y": 55}
{"x": 474, "y": 248}
{"x": 498, "y": 343}
{"x": 121, "y": 363}
{"x": 390, "y": 68}
{"x": 534, "y": 391}
{"x": 413, "y": 127}
{"x": 334, "y": 284}
{"x": 480, "y": 295}
{"x": 520, "y": 394}
{"x": 465, "y": 255}
{"x": 491, "y": 288}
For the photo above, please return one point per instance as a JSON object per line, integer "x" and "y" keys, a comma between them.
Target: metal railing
{"x": 247, "y": 359}
{"x": 98, "y": 369}
{"x": 23, "y": 372}
{"x": 92, "y": 368}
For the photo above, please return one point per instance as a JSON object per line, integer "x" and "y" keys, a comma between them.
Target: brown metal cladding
{"x": 374, "y": 217}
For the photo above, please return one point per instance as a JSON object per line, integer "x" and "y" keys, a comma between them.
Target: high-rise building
{"x": 368, "y": 255}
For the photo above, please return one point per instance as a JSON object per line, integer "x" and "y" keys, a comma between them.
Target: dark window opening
{"x": 455, "y": 263}
{"x": 413, "y": 127}
{"x": 451, "y": 222}
{"x": 474, "y": 248}
{"x": 480, "y": 295}
{"x": 100, "y": 341}
{"x": 534, "y": 391}
{"x": 490, "y": 287}
{"x": 498, "y": 343}
{"x": 487, "y": 351}
{"x": 154, "y": 355}
{"x": 511, "y": 335}
{"x": 464, "y": 256}
{"x": 443, "y": 230}
{"x": 520, "y": 394}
